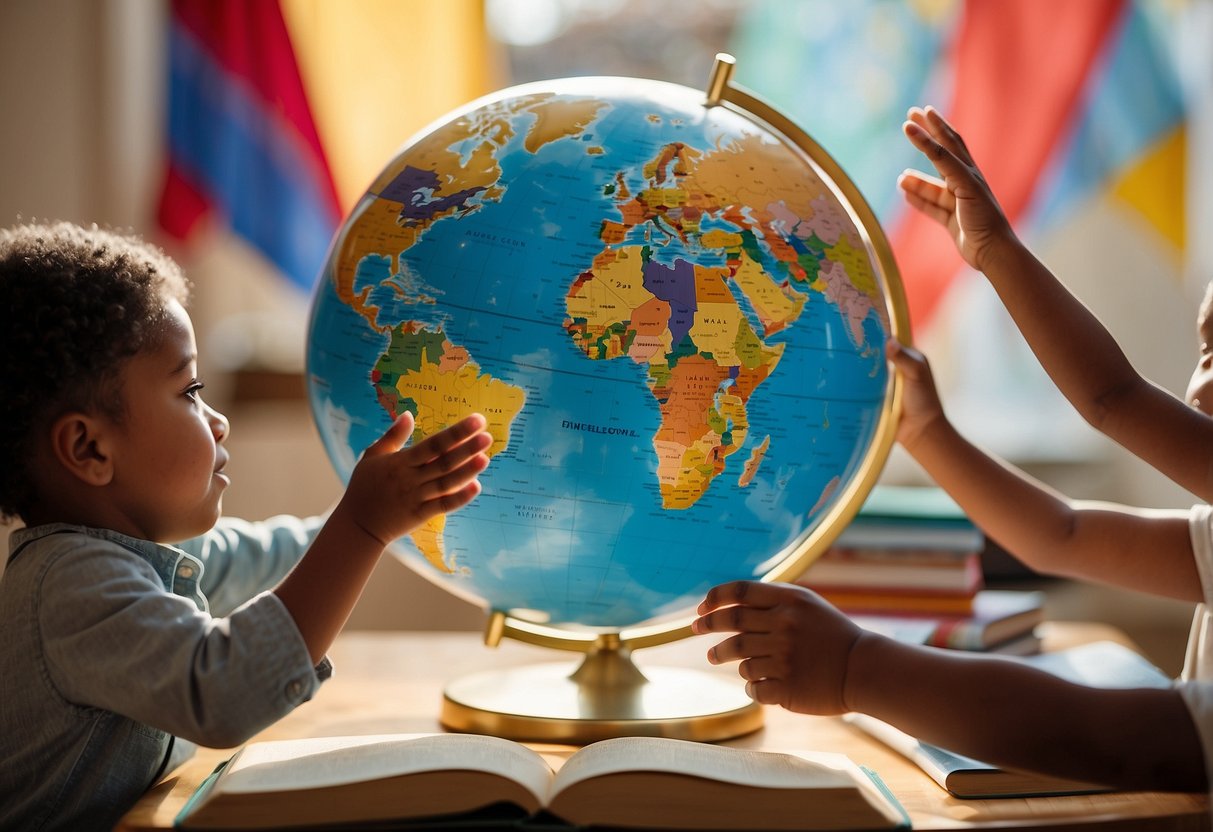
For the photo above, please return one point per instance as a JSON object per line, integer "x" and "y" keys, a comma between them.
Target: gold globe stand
{"x": 605, "y": 694}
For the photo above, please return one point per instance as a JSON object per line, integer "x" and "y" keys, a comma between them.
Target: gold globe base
{"x": 604, "y": 696}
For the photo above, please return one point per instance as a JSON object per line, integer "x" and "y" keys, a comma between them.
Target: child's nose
{"x": 220, "y": 426}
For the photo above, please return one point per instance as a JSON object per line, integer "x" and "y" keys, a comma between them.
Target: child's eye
{"x": 191, "y": 392}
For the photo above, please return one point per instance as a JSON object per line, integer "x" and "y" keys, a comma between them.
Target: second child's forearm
{"x": 999, "y": 499}
{"x": 1090, "y": 369}
{"x": 1075, "y": 349}
{"x": 1018, "y": 717}
{"x": 1141, "y": 550}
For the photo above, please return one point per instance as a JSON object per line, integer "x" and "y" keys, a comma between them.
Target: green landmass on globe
{"x": 672, "y": 322}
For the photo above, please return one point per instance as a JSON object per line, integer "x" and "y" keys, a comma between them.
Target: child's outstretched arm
{"x": 1149, "y": 551}
{"x": 392, "y": 491}
{"x": 797, "y": 651}
{"x": 1075, "y": 349}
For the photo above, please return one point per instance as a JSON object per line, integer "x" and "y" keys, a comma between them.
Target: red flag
{"x": 242, "y": 142}
{"x": 1021, "y": 69}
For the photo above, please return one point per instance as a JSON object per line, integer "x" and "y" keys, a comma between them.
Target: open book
{"x": 1101, "y": 664}
{"x": 462, "y": 778}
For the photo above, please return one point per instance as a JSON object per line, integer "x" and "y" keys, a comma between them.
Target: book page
{"x": 290, "y": 765}
{"x": 764, "y": 769}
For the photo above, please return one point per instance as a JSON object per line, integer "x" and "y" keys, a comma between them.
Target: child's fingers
{"x": 927, "y": 195}
{"x": 725, "y": 595}
{"x": 447, "y": 503}
{"x": 928, "y": 188}
{"x": 734, "y": 619}
{"x": 452, "y": 439}
{"x": 394, "y": 438}
{"x": 734, "y": 648}
{"x": 944, "y": 160}
{"x": 913, "y": 367}
{"x": 759, "y": 667}
{"x": 905, "y": 357}
{"x": 749, "y": 593}
{"x": 443, "y": 465}
{"x": 924, "y": 185}
{"x": 896, "y": 354}
{"x": 767, "y": 691}
{"x": 940, "y": 129}
{"x": 455, "y": 478}
{"x": 946, "y": 135}
{"x": 455, "y": 491}
{"x": 455, "y": 500}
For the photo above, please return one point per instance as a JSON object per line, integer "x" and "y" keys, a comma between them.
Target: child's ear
{"x": 78, "y": 442}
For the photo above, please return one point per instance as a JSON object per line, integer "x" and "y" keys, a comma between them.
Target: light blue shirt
{"x": 117, "y": 654}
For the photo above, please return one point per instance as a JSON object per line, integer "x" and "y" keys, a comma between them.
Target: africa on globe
{"x": 672, "y": 316}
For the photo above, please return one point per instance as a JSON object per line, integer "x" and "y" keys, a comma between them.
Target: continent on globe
{"x": 685, "y": 323}
{"x": 438, "y": 183}
{"x": 424, "y": 373}
{"x": 452, "y": 173}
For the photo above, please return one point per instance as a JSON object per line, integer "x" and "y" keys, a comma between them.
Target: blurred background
{"x": 238, "y": 134}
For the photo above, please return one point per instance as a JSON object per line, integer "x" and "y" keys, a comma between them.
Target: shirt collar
{"x": 180, "y": 573}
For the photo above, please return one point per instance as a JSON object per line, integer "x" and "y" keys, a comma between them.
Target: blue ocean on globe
{"x": 671, "y": 318}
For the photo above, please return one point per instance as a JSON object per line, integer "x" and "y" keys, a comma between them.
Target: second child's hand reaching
{"x": 960, "y": 201}
{"x": 792, "y": 647}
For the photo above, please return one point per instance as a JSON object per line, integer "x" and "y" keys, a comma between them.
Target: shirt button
{"x": 185, "y": 570}
{"x": 294, "y": 689}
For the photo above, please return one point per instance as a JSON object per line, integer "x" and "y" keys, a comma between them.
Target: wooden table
{"x": 392, "y": 682}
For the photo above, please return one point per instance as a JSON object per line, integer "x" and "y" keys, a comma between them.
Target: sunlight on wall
{"x": 374, "y": 79}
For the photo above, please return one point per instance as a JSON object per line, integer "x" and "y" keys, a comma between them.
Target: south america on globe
{"x": 667, "y": 312}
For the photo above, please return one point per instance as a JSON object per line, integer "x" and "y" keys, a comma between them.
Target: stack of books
{"x": 908, "y": 550}
{"x": 909, "y": 566}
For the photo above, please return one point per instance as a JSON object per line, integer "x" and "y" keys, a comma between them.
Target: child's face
{"x": 1200, "y": 387}
{"x": 168, "y": 454}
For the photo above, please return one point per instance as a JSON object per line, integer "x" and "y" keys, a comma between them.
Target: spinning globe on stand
{"x": 672, "y": 309}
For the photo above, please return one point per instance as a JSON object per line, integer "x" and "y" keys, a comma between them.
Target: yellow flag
{"x": 378, "y": 71}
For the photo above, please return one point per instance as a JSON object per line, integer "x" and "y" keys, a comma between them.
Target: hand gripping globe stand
{"x": 605, "y": 694}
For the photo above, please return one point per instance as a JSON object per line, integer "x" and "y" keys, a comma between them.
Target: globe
{"x": 672, "y": 313}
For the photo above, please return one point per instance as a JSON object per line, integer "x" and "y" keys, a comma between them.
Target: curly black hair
{"x": 75, "y": 304}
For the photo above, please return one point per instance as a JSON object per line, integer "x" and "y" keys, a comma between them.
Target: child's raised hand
{"x": 920, "y": 404}
{"x": 394, "y": 489}
{"x": 961, "y": 201}
{"x": 793, "y": 646}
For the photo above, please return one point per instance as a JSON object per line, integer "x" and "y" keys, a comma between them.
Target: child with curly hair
{"x": 137, "y": 620}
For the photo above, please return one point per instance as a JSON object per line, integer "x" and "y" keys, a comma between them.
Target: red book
{"x": 899, "y": 603}
{"x": 998, "y": 616}
{"x": 895, "y": 571}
